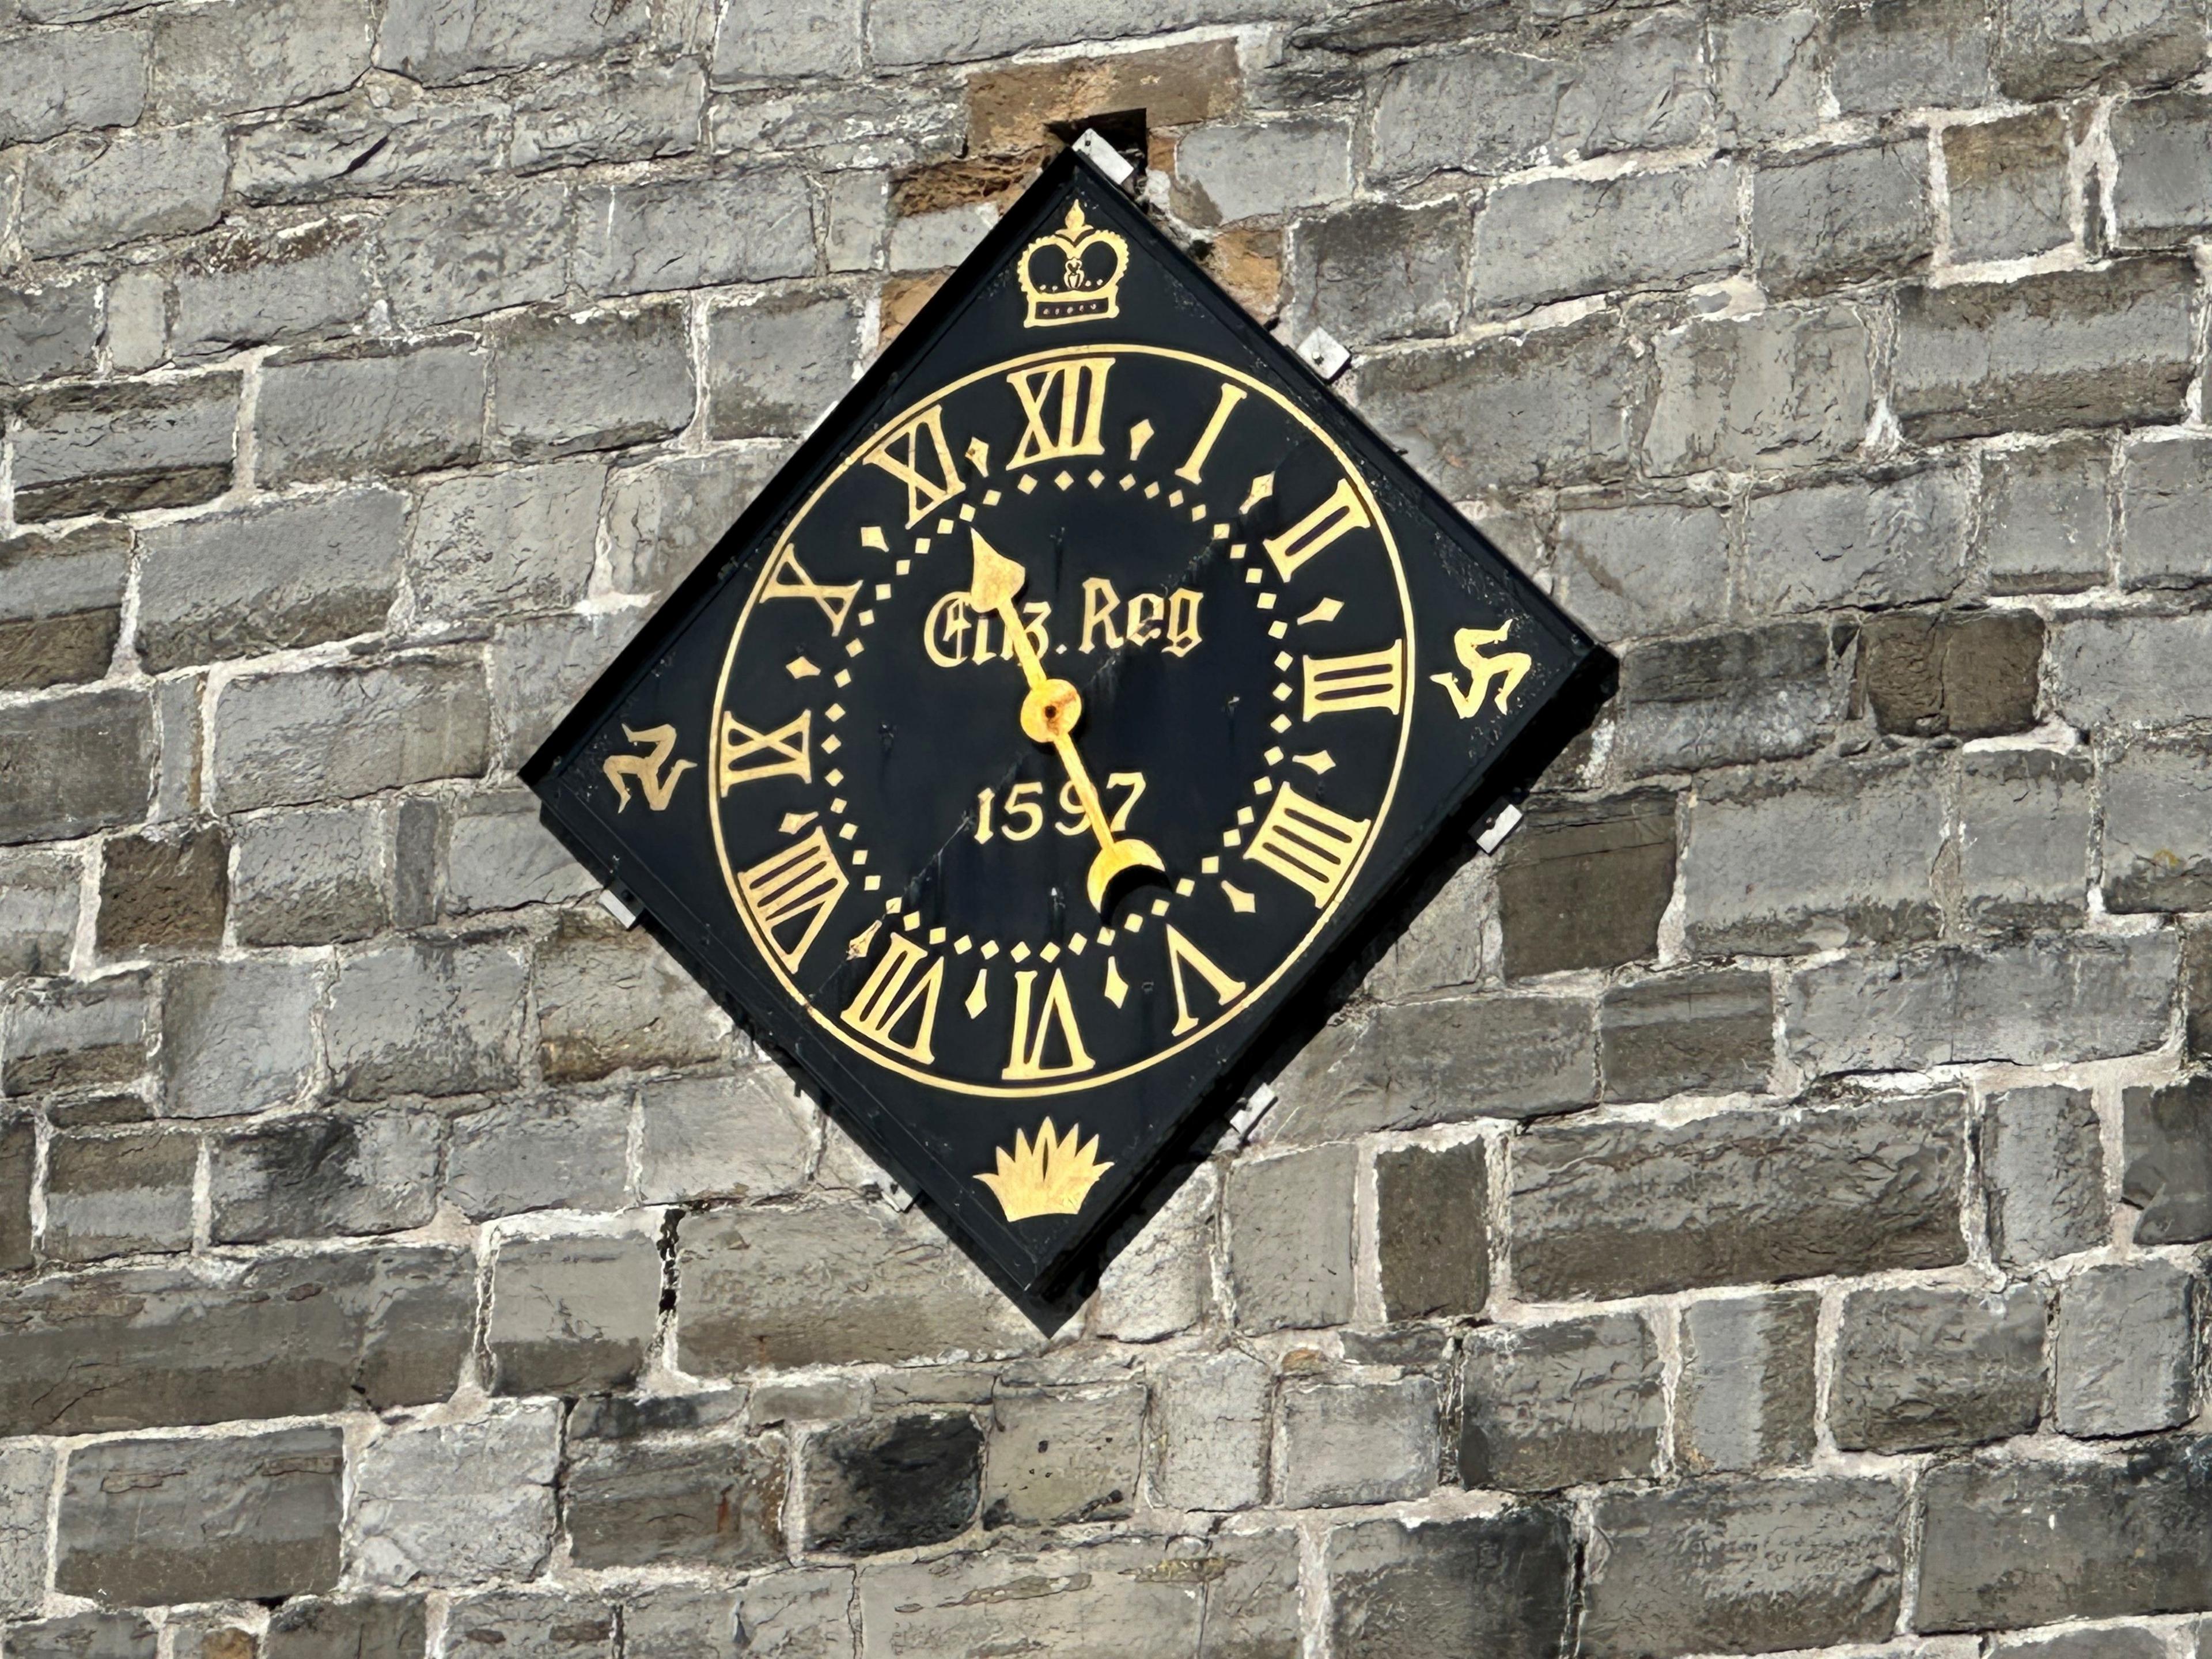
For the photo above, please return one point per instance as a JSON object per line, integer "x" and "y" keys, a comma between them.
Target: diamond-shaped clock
{"x": 1052, "y": 731}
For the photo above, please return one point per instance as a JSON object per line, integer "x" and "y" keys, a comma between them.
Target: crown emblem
{"x": 1050, "y": 1175}
{"x": 1074, "y": 274}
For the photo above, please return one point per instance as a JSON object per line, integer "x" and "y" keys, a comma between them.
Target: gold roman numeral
{"x": 1339, "y": 515}
{"x": 1191, "y": 470}
{"x": 901, "y": 455}
{"x": 1065, "y": 404}
{"x": 1373, "y": 680}
{"x": 893, "y": 991}
{"x": 736, "y": 741}
{"x": 1033, "y": 1033}
{"x": 1182, "y": 953}
{"x": 1305, "y": 843}
{"x": 787, "y": 580}
{"x": 802, "y": 884}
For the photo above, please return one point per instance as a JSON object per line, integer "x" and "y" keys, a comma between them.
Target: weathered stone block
{"x": 2075, "y": 348}
{"x": 163, "y": 893}
{"x": 571, "y": 1315}
{"x": 1175, "y": 86}
{"x": 1560, "y": 1405}
{"x": 2007, "y": 184}
{"x": 70, "y": 79}
{"x": 119, "y": 1195}
{"x": 1496, "y": 1585}
{"x": 610, "y": 113}
{"x": 563, "y": 385}
{"x": 904, "y": 1481}
{"x": 1229, "y": 171}
{"x": 1971, "y": 674}
{"x": 2046, "y": 519}
{"x": 608, "y": 1000}
{"x": 1781, "y": 863}
{"x": 936, "y": 239}
{"x": 2056, "y": 46}
{"x": 118, "y": 449}
{"x": 75, "y": 763}
{"x": 49, "y": 330}
{"x": 2124, "y": 1348}
{"x": 1922, "y": 1368}
{"x": 668, "y": 1499}
{"x": 563, "y": 1151}
{"x": 663, "y": 517}
{"x": 461, "y": 254}
{"x": 19, "y": 1174}
{"x": 747, "y": 1136}
{"x": 1060, "y": 1456}
{"x": 1290, "y": 1238}
{"x": 368, "y": 1628}
{"x": 751, "y": 1286}
{"x": 2166, "y": 492}
{"x": 1768, "y": 73}
{"x": 1895, "y": 55}
{"x": 2043, "y": 1174}
{"x": 1432, "y": 1242}
{"x": 2197, "y": 990}
{"x": 1564, "y": 856}
{"x": 27, "y": 1490}
{"x": 1634, "y": 570}
{"x": 376, "y": 410}
{"x": 1761, "y": 694}
{"x": 758, "y": 227}
{"x": 1635, "y": 1209}
{"x": 1842, "y": 216}
{"x": 65, "y": 1034}
{"x": 1553, "y": 238}
{"x": 492, "y": 544}
{"x": 247, "y": 288}
{"x": 2131, "y": 669}
{"x": 386, "y": 134}
{"x": 534, "y": 1623}
{"x": 773, "y": 367}
{"x": 1782, "y": 387}
{"x": 1746, "y": 1397}
{"x": 674, "y": 1621}
{"x": 2168, "y": 1172}
{"x": 1886, "y": 541}
{"x": 94, "y": 190}
{"x": 311, "y": 877}
{"x": 339, "y": 731}
{"x": 453, "y": 1502}
{"x": 83, "y": 1635}
{"x": 228, "y": 59}
{"x": 38, "y": 912}
{"x": 1160, "y": 1281}
{"x": 1209, "y": 1429}
{"x": 1739, "y": 1564}
{"x": 2018, "y": 1542}
{"x": 61, "y": 601}
{"x": 2157, "y": 828}
{"x": 2054, "y": 998}
{"x": 144, "y": 1521}
{"x": 436, "y": 44}
{"x": 815, "y": 37}
{"x": 499, "y": 856}
{"x": 1704, "y": 1033}
{"x": 2162, "y": 197}
{"x": 269, "y": 578}
{"x": 324, "y": 1174}
{"x": 237, "y": 1035}
{"x": 1355, "y": 1441}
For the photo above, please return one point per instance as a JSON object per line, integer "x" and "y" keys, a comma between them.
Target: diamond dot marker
{"x": 1239, "y": 901}
{"x": 1139, "y": 435}
{"x": 1209, "y": 865}
{"x": 871, "y": 535}
{"x": 1020, "y": 952}
{"x": 1050, "y": 953}
{"x": 992, "y": 498}
{"x": 990, "y": 949}
{"x": 1028, "y": 485}
{"x": 937, "y": 936}
{"x": 963, "y": 945}
{"x": 1063, "y": 478}
{"x": 1184, "y": 889}
{"x": 800, "y": 669}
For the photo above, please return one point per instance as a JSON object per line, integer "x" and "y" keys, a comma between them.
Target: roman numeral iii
{"x": 799, "y": 885}
{"x": 1305, "y": 842}
{"x": 1374, "y": 679}
{"x": 1064, "y": 404}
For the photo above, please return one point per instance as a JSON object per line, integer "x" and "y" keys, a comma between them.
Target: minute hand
{"x": 1049, "y": 713}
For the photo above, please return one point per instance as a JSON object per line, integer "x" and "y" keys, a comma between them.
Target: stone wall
{"x": 1760, "y": 1209}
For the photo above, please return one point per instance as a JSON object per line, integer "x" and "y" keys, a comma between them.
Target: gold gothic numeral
{"x": 790, "y": 743}
{"x": 1373, "y": 680}
{"x": 1305, "y": 843}
{"x": 1182, "y": 953}
{"x": 1064, "y": 404}
{"x": 658, "y": 786}
{"x": 1339, "y": 515}
{"x": 801, "y": 883}
{"x": 893, "y": 991}
{"x": 1031, "y": 1033}
{"x": 924, "y": 495}
{"x": 1191, "y": 470}
{"x": 787, "y": 580}
{"x": 1481, "y": 670}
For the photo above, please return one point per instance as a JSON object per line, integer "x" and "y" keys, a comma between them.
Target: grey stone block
{"x": 367, "y": 1627}
{"x": 2162, "y": 196}
{"x": 1442, "y": 948}
{"x": 2043, "y": 1175}
{"x": 94, "y": 190}
{"x": 572, "y": 1315}
{"x": 385, "y": 135}
{"x": 2167, "y": 1175}
{"x": 1632, "y": 570}
{"x": 774, "y": 366}
{"x": 1566, "y": 853}
{"x": 2131, "y": 669}
{"x": 436, "y": 44}
{"x": 1560, "y": 1405}
{"x": 1556, "y": 238}
{"x": 2166, "y": 492}
{"x": 114, "y": 449}
{"x": 2156, "y": 843}
{"x": 62, "y": 609}
{"x": 1636, "y": 1209}
{"x": 19, "y": 1175}
{"x": 1781, "y": 863}
{"x": 1229, "y": 171}
{"x": 1497, "y": 1584}
{"x": 2103, "y": 1642}
{"x": 144, "y": 1521}
{"x": 668, "y": 1499}
{"x": 938, "y": 238}
{"x": 1842, "y": 216}
{"x": 461, "y": 253}
{"x": 1054, "y": 1456}
{"x": 897, "y": 1484}
{"x": 38, "y": 912}
{"x": 610, "y": 113}
{"x": 311, "y": 877}
{"x": 2046, "y": 518}
{"x": 1289, "y": 1222}
{"x": 426, "y": 1018}
{"x": 2050, "y": 999}
{"x": 1378, "y": 270}
{"x": 747, "y": 1136}
{"x": 1768, "y": 75}
{"x": 814, "y": 37}
{"x": 454, "y": 1503}
{"x": 564, "y": 1151}
{"x": 1725, "y": 699}
{"x": 66, "y": 1034}
{"x": 2124, "y": 1348}
{"x": 83, "y": 1635}
{"x": 340, "y": 731}
{"x": 2197, "y": 990}
{"x": 2051, "y": 47}
{"x": 647, "y": 238}
{"x": 534, "y": 1622}
{"x": 1548, "y": 406}
{"x": 1881, "y": 542}
{"x": 381, "y": 410}
{"x": 1432, "y": 1239}
{"x": 119, "y": 1194}
{"x": 1698, "y": 1033}
{"x": 664, "y": 516}
{"x": 563, "y": 385}
{"x": 1784, "y": 387}
{"x": 1916, "y": 1369}
{"x": 269, "y": 577}
{"x": 609, "y": 1000}
{"x": 236, "y": 1036}
{"x": 1744, "y": 1564}
{"x": 2008, "y": 186}
{"x": 846, "y": 123}
{"x": 674, "y": 1621}
{"x": 48, "y": 330}
{"x": 1209, "y": 1428}
{"x": 751, "y": 1286}
{"x": 1895, "y": 55}
{"x": 495, "y": 544}
{"x": 1965, "y": 674}
{"x": 499, "y": 856}
{"x": 1355, "y": 1441}
{"x": 1161, "y": 1281}
{"x": 2085, "y": 348}
{"x": 226, "y": 58}
{"x": 26, "y": 1488}
{"x": 71, "y": 79}
{"x": 163, "y": 893}
{"x": 324, "y": 1174}
{"x": 1746, "y": 1397}
{"x": 246, "y": 290}
{"x": 2019, "y": 1542}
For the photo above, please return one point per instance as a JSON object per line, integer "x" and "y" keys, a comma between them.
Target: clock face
{"x": 1068, "y": 714}
{"x": 1026, "y": 831}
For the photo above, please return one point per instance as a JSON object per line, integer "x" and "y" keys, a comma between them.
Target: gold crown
{"x": 1084, "y": 291}
{"x": 1051, "y": 1175}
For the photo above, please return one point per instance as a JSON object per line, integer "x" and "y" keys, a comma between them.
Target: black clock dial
{"x": 1023, "y": 839}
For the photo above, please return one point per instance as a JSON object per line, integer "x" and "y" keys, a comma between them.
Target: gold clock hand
{"x": 1049, "y": 713}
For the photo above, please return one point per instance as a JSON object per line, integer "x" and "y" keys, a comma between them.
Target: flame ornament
{"x": 1050, "y": 1175}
